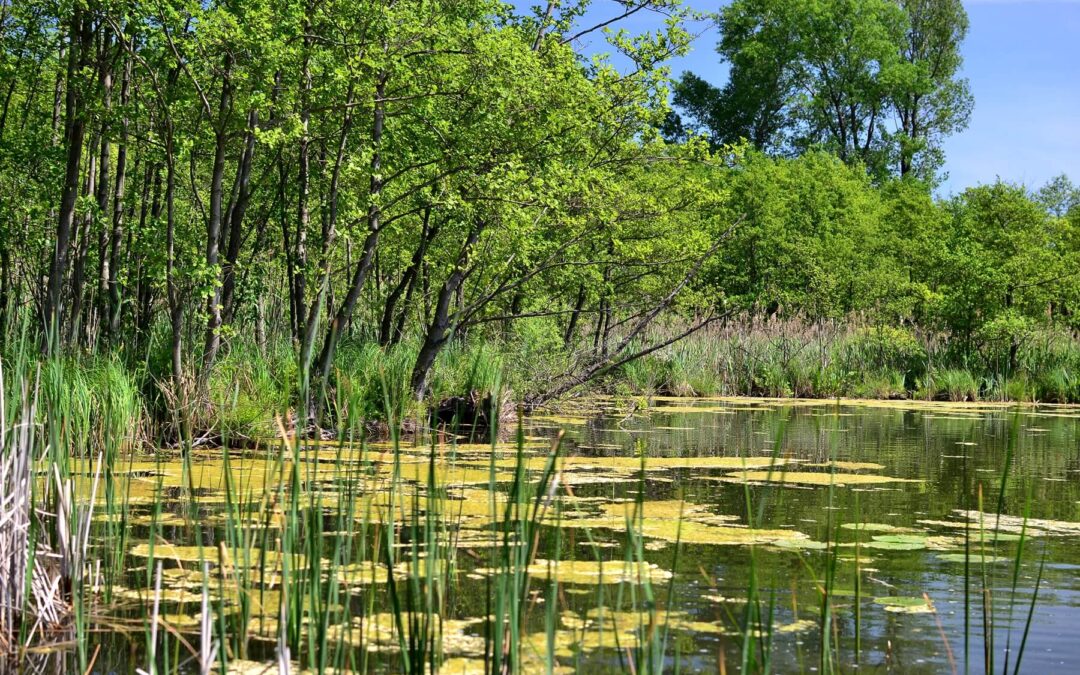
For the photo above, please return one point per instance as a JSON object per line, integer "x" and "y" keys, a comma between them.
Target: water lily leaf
{"x": 813, "y": 478}
{"x": 975, "y": 558}
{"x": 905, "y": 605}
{"x": 874, "y": 527}
{"x": 901, "y": 539}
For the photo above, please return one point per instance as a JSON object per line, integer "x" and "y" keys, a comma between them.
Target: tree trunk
{"x": 329, "y": 234}
{"x": 117, "y": 238}
{"x": 571, "y": 326}
{"x": 98, "y": 308}
{"x": 74, "y": 133}
{"x": 386, "y": 326}
{"x": 78, "y": 268}
{"x": 440, "y": 330}
{"x": 176, "y": 310}
{"x": 303, "y": 215}
{"x": 213, "y": 232}
{"x": 235, "y": 221}
{"x": 144, "y": 284}
{"x": 371, "y": 242}
{"x": 5, "y": 291}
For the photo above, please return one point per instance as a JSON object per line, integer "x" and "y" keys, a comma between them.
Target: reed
{"x": 755, "y": 356}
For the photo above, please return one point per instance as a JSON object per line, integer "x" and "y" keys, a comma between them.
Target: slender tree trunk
{"x": 213, "y": 232}
{"x": 74, "y": 132}
{"x": 15, "y": 76}
{"x": 235, "y": 220}
{"x": 176, "y": 310}
{"x": 329, "y": 234}
{"x": 260, "y": 326}
{"x": 78, "y": 268}
{"x": 440, "y": 330}
{"x": 303, "y": 214}
{"x": 59, "y": 96}
{"x": 5, "y": 291}
{"x": 117, "y": 238}
{"x": 286, "y": 246}
{"x": 371, "y": 242}
{"x": 144, "y": 284}
{"x": 5, "y": 236}
{"x": 386, "y": 326}
{"x": 99, "y": 307}
{"x": 571, "y": 326}
{"x": 599, "y": 328}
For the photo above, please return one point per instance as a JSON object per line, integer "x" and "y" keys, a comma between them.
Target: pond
{"x": 682, "y": 534}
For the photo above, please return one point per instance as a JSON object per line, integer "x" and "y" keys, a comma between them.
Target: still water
{"x": 869, "y": 536}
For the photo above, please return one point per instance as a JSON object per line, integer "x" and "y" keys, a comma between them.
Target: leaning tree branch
{"x": 601, "y": 367}
{"x": 620, "y": 356}
{"x": 670, "y": 297}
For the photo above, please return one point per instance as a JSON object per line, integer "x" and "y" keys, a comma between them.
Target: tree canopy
{"x": 872, "y": 81}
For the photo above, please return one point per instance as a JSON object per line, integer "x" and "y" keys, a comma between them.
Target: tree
{"x": 873, "y": 81}
{"x": 760, "y": 41}
{"x": 1059, "y": 196}
{"x": 809, "y": 243}
{"x": 930, "y": 99}
{"x": 1003, "y": 270}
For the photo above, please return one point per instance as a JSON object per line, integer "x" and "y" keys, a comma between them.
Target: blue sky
{"x": 1022, "y": 58}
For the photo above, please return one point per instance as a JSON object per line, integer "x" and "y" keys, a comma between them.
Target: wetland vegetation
{"x": 419, "y": 336}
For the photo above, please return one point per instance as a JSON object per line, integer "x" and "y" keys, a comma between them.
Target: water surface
{"x": 667, "y": 517}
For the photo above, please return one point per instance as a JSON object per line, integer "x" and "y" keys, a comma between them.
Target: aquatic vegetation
{"x": 676, "y": 521}
{"x": 895, "y": 545}
{"x": 592, "y": 572}
{"x": 973, "y": 558}
{"x": 904, "y": 605}
{"x": 873, "y": 527}
{"x": 811, "y": 478}
{"x": 1002, "y": 523}
{"x": 450, "y": 551}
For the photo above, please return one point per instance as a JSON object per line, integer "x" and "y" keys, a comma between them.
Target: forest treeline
{"x": 225, "y": 199}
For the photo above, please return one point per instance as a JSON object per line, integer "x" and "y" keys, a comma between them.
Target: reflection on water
{"x": 890, "y": 508}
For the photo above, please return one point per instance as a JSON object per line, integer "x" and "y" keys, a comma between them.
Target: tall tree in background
{"x": 758, "y": 39}
{"x": 930, "y": 100}
{"x": 873, "y": 81}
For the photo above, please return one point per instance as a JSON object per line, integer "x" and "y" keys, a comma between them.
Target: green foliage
{"x": 249, "y": 389}
{"x": 372, "y": 382}
{"x": 812, "y": 228}
{"x": 830, "y": 73}
{"x": 953, "y": 385}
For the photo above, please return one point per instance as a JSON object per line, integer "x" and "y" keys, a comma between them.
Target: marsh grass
{"x": 133, "y": 399}
{"x": 775, "y": 357}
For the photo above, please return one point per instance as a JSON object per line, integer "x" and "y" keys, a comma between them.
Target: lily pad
{"x": 873, "y": 527}
{"x": 813, "y": 478}
{"x": 905, "y": 605}
{"x": 975, "y": 558}
{"x": 593, "y": 572}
